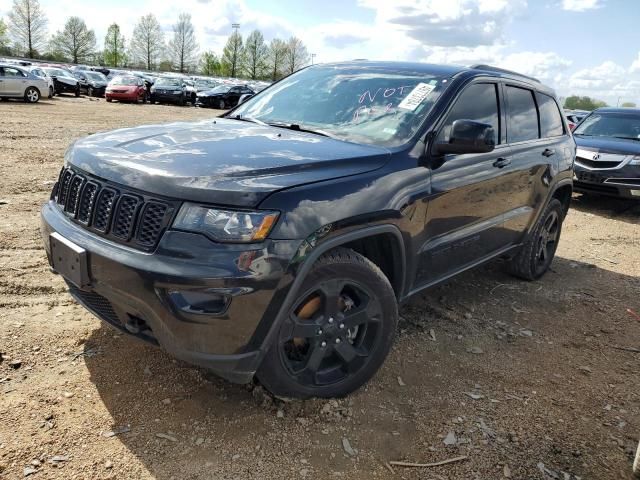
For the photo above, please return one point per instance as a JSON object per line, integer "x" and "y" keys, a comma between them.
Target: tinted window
{"x": 13, "y": 72}
{"x": 522, "y": 116}
{"x": 479, "y": 102}
{"x": 550, "y": 119}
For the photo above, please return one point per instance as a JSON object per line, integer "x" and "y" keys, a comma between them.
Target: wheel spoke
{"x": 302, "y": 328}
{"x": 347, "y": 352}
{"x": 361, "y": 315}
{"x": 331, "y": 291}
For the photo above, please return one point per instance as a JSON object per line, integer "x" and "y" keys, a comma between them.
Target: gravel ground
{"x": 525, "y": 380}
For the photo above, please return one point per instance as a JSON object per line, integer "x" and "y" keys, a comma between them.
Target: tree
{"x": 4, "y": 39}
{"x": 75, "y": 42}
{"x": 276, "y": 57}
{"x": 147, "y": 42}
{"x": 575, "y": 102}
{"x": 628, "y": 105}
{"x": 209, "y": 64}
{"x": 28, "y": 27}
{"x": 114, "y": 50}
{"x": 296, "y": 55}
{"x": 232, "y": 55}
{"x": 255, "y": 55}
{"x": 183, "y": 47}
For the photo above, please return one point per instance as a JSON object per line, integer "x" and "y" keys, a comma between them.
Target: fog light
{"x": 200, "y": 302}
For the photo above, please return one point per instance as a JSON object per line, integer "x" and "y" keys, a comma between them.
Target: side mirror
{"x": 468, "y": 136}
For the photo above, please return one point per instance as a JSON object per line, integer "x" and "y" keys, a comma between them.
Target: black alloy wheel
{"x": 337, "y": 333}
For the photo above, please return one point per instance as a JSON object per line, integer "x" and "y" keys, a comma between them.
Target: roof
{"x": 633, "y": 111}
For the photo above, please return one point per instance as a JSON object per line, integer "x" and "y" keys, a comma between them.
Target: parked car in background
{"x": 18, "y": 82}
{"x": 608, "y": 155}
{"x": 92, "y": 83}
{"x": 574, "y": 117}
{"x": 223, "y": 96}
{"x": 63, "y": 81}
{"x": 204, "y": 84}
{"x": 126, "y": 88}
{"x": 170, "y": 90}
{"x": 37, "y": 70}
{"x": 279, "y": 240}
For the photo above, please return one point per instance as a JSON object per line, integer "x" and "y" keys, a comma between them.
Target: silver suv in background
{"x": 16, "y": 82}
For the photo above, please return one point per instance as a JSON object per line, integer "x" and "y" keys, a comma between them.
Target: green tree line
{"x": 25, "y": 33}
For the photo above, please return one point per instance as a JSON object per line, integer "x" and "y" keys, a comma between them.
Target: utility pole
{"x": 313, "y": 56}
{"x": 236, "y": 27}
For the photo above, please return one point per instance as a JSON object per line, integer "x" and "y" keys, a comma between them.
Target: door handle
{"x": 502, "y": 162}
{"x": 548, "y": 152}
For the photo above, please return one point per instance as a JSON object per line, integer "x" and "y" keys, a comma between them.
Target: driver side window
{"x": 478, "y": 102}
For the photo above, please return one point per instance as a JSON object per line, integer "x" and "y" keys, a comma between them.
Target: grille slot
{"x": 151, "y": 223}
{"x": 125, "y": 216}
{"x": 598, "y": 164}
{"x": 97, "y": 303}
{"x": 104, "y": 208}
{"x": 113, "y": 212}
{"x": 87, "y": 202}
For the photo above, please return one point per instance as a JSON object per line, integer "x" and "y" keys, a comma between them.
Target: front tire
{"x": 536, "y": 255}
{"x": 31, "y": 95}
{"x": 338, "y": 332}
{"x": 51, "y": 92}
{"x": 222, "y": 105}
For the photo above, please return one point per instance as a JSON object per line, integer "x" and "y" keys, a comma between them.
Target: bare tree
{"x": 4, "y": 39}
{"x": 232, "y": 55}
{"x": 147, "y": 42}
{"x": 183, "y": 47}
{"x": 255, "y": 55}
{"x": 276, "y": 58}
{"x": 114, "y": 50}
{"x": 28, "y": 26}
{"x": 296, "y": 56}
{"x": 76, "y": 42}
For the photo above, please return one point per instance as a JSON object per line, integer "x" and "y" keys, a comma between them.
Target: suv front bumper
{"x": 621, "y": 182}
{"x": 149, "y": 294}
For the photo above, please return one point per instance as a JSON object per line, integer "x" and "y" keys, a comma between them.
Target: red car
{"x": 126, "y": 89}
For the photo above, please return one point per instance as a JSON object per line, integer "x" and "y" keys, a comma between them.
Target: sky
{"x": 583, "y": 47}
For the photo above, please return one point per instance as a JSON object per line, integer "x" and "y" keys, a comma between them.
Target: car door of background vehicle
{"x": 14, "y": 82}
{"x": 233, "y": 96}
{"x": 464, "y": 221}
{"x": 536, "y": 137}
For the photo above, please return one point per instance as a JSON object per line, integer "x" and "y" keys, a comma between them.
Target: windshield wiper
{"x": 249, "y": 119}
{"x": 629, "y": 138}
{"x": 296, "y": 127}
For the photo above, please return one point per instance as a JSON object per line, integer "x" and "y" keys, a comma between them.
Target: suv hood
{"x": 608, "y": 145}
{"x": 221, "y": 161}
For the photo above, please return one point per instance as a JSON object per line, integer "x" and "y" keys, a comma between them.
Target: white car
{"x": 17, "y": 82}
{"x": 41, "y": 73}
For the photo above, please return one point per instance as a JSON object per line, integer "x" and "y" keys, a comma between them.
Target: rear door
{"x": 537, "y": 138}
{"x": 464, "y": 221}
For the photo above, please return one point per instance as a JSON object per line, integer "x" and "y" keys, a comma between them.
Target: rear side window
{"x": 522, "y": 115}
{"x": 478, "y": 102}
{"x": 550, "y": 119}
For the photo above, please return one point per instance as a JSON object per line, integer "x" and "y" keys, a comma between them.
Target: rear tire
{"x": 51, "y": 92}
{"x": 338, "y": 344}
{"x": 536, "y": 255}
{"x": 222, "y": 105}
{"x": 31, "y": 95}
{"x": 109, "y": 99}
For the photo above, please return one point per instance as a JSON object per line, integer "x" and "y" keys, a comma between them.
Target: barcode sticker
{"x": 416, "y": 96}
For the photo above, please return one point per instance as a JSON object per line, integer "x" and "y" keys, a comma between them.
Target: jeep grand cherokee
{"x": 278, "y": 241}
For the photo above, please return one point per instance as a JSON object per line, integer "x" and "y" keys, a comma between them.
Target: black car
{"x": 608, "y": 154}
{"x": 170, "y": 90}
{"x": 91, "y": 83}
{"x": 63, "y": 81}
{"x": 279, "y": 240}
{"x": 223, "y": 96}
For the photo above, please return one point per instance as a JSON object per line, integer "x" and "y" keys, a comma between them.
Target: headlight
{"x": 635, "y": 160}
{"x": 226, "y": 225}
{"x": 177, "y": 92}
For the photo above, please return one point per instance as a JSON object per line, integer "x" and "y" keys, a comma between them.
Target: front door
{"x": 14, "y": 82}
{"x": 464, "y": 221}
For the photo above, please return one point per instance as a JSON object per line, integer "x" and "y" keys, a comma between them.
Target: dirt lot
{"x": 522, "y": 378}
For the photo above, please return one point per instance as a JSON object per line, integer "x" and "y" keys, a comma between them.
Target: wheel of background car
{"x": 193, "y": 99}
{"x": 537, "y": 252}
{"x": 31, "y": 95}
{"x": 337, "y": 333}
{"x": 51, "y": 92}
{"x": 77, "y": 92}
{"x": 221, "y": 105}
{"x": 109, "y": 100}
{"x": 90, "y": 91}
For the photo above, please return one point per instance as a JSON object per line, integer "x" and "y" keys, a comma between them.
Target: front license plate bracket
{"x": 69, "y": 260}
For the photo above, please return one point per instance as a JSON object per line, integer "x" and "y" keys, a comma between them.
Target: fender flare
{"x": 308, "y": 263}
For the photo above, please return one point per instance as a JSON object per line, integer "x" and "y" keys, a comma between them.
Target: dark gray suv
{"x": 278, "y": 241}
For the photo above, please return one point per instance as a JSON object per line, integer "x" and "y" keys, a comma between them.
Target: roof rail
{"x": 491, "y": 68}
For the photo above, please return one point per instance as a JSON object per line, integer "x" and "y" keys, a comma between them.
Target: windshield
{"x": 378, "y": 106}
{"x": 206, "y": 83}
{"x": 56, "y": 72}
{"x": 173, "y": 82}
{"x": 124, "y": 81}
{"x": 98, "y": 77}
{"x": 220, "y": 89}
{"x": 619, "y": 125}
